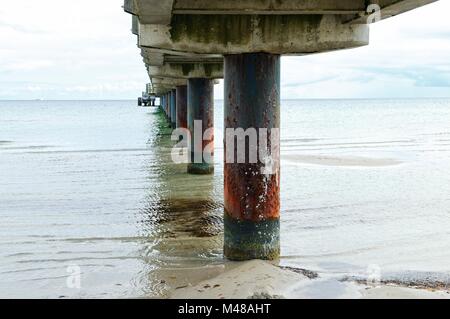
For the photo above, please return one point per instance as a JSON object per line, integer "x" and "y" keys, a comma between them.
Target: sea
{"x": 91, "y": 204}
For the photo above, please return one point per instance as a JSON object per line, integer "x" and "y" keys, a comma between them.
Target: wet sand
{"x": 263, "y": 280}
{"x": 345, "y": 161}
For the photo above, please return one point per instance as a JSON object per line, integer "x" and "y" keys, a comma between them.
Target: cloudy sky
{"x": 61, "y": 49}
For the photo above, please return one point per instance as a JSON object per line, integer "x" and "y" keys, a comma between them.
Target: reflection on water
{"x": 178, "y": 205}
{"x": 92, "y": 184}
{"x": 175, "y": 217}
{"x": 181, "y": 219}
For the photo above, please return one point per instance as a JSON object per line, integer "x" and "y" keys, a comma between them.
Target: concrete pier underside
{"x": 185, "y": 42}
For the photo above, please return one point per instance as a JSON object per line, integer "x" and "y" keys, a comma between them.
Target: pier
{"x": 188, "y": 44}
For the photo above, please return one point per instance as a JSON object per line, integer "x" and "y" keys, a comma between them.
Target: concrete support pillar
{"x": 252, "y": 189}
{"x": 168, "y": 107}
{"x": 182, "y": 106}
{"x": 165, "y": 106}
{"x": 166, "y": 102}
{"x": 173, "y": 108}
{"x": 200, "y": 120}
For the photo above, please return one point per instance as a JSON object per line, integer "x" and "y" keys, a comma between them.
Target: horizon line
{"x": 286, "y": 99}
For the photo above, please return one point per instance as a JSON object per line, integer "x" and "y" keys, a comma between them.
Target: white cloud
{"x": 403, "y": 51}
{"x": 68, "y": 49}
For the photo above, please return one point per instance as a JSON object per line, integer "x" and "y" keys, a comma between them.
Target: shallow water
{"x": 365, "y": 184}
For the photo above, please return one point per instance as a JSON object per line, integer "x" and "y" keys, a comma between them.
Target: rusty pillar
{"x": 182, "y": 106}
{"x": 168, "y": 107}
{"x": 169, "y": 115}
{"x": 173, "y": 108}
{"x": 251, "y": 191}
{"x": 200, "y": 121}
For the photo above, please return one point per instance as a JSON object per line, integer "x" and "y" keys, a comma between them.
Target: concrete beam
{"x": 186, "y": 71}
{"x": 157, "y": 89}
{"x": 135, "y": 25}
{"x": 157, "y": 58}
{"x": 177, "y": 59}
{"x": 129, "y": 7}
{"x": 160, "y": 86}
{"x": 269, "y": 7}
{"x": 159, "y": 92}
{"x": 150, "y": 11}
{"x": 181, "y": 53}
{"x": 169, "y": 81}
{"x": 234, "y": 34}
{"x": 152, "y": 58}
{"x": 160, "y": 12}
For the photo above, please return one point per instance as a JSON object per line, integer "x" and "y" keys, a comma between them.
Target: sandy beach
{"x": 258, "y": 279}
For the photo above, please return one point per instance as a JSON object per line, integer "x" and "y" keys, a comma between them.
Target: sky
{"x": 61, "y": 49}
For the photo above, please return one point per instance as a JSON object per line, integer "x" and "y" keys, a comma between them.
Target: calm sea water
{"x": 89, "y": 185}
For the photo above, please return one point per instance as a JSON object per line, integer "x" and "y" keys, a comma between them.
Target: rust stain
{"x": 253, "y": 95}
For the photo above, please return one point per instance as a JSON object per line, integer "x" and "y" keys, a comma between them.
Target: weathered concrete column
{"x": 169, "y": 115}
{"x": 251, "y": 192}
{"x": 167, "y": 107}
{"x": 200, "y": 108}
{"x": 161, "y": 99}
{"x": 173, "y": 108}
{"x": 182, "y": 106}
{"x": 164, "y": 105}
